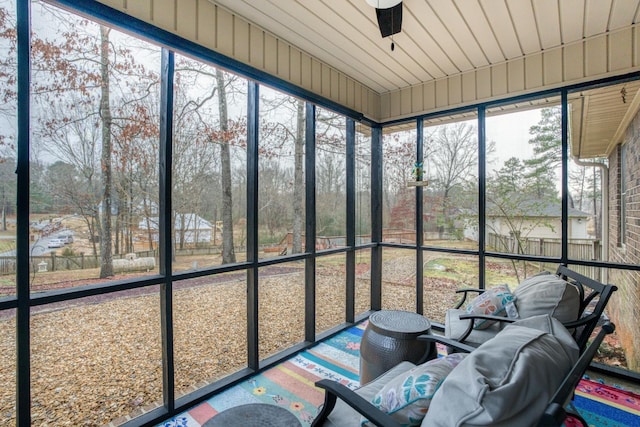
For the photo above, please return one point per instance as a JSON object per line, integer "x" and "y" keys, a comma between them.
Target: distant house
{"x": 538, "y": 221}
{"x": 533, "y": 222}
{"x": 189, "y": 228}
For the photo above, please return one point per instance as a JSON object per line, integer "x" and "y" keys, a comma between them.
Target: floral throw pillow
{"x": 492, "y": 302}
{"x": 407, "y": 397}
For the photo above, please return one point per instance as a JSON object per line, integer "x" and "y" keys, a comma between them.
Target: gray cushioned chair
{"x": 574, "y": 299}
{"x": 523, "y": 376}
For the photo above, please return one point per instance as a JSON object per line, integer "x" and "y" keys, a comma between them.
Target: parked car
{"x": 65, "y": 237}
{"x": 55, "y": 243}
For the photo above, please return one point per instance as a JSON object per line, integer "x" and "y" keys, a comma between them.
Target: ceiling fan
{"x": 389, "y": 14}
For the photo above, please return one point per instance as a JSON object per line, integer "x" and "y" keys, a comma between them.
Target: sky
{"x": 510, "y": 132}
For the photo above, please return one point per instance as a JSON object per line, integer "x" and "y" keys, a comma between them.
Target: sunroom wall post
{"x": 351, "y": 221}
{"x": 165, "y": 242}
{"x": 253, "y": 327}
{"x": 565, "y": 178}
{"x": 376, "y": 217}
{"x": 23, "y": 327}
{"x": 310, "y": 229}
{"x": 482, "y": 197}
{"x": 419, "y": 221}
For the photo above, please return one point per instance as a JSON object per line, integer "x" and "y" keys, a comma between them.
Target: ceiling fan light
{"x": 390, "y": 20}
{"x": 383, "y": 4}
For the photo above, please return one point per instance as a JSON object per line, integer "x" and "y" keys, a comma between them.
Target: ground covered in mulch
{"x": 100, "y": 358}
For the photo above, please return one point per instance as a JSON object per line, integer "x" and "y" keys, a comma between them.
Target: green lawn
{"x": 7, "y": 245}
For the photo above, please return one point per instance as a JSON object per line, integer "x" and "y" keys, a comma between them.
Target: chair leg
{"x": 429, "y": 355}
{"x": 573, "y": 412}
{"x": 326, "y": 408}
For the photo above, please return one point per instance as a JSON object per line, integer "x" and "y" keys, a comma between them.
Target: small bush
{"x": 67, "y": 251}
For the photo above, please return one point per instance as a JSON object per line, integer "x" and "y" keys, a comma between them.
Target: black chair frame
{"x": 588, "y": 316}
{"x": 553, "y": 416}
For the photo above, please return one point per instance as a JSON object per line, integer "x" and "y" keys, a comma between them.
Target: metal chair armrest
{"x": 334, "y": 390}
{"x": 456, "y": 345}
{"x": 466, "y": 292}
{"x": 487, "y": 317}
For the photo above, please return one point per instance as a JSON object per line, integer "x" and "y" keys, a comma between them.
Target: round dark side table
{"x": 391, "y": 336}
{"x": 254, "y": 415}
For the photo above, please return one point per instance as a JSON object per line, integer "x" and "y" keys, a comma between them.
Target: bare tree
{"x": 452, "y": 155}
{"x": 399, "y": 154}
{"x": 82, "y": 77}
{"x": 206, "y": 137}
{"x": 228, "y": 251}
{"x": 74, "y": 140}
{"x": 106, "y": 257}
{"x": 282, "y": 136}
{"x": 298, "y": 179}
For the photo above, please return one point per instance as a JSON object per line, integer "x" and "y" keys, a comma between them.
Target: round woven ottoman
{"x": 390, "y": 338}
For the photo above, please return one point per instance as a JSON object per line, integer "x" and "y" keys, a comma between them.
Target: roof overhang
{"x": 599, "y": 118}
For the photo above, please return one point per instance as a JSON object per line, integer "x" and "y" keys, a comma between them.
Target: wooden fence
{"x": 578, "y": 249}
{"x": 582, "y": 249}
{"x": 54, "y": 262}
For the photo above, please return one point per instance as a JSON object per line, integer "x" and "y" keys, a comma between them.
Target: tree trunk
{"x": 4, "y": 216}
{"x": 594, "y": 196}
{"x": 106, "y": 258}
{"x": 181, "y": 230}
{"x": 298, "y": 182}
{"x": 94, "y": 230}
{"x": 4, "y": 210}
{"x": 228, "y": 252}
{"x": 129, "y": 225}
{"x": 147, "y": 218}
{"x": 117, "y": 233}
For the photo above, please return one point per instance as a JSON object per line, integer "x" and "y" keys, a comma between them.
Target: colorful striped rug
{"x": 291, "y": 385}
{"x": 605, "y": 406}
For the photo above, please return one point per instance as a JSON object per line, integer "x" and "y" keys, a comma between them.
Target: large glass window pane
{"x": 281, "y": 195}
{"x": 524, "y": 156}
{"x": 209, "y": 166}
{"x": 622, "y": 348}
{"x": 398, "y": 279}
{"x": 331, "y": 280}
{"x": 399, "y": 198}
{"x": 450, "y": 167}
{"x": 210, "y": 329}
{"x": 331, "y": 189}
{"x": 443, "y": 275}
{"x": 499, "y": 271}
{"x": 363, "y": 281}
{"x": 604, "y": 129}
{"x": 585, "y": 230}
{"x": 594, "y": 116}
{"x": 96, "y": 359}
{"x": 281, "y": 307}
{"x": 363, "y": 184}
{"x": 95, "y": 127}
{"x": 8, "y": 152}
{"x": 8, "y": 367}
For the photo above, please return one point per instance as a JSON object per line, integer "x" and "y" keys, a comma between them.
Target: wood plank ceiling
{"x": 439, "y": 38}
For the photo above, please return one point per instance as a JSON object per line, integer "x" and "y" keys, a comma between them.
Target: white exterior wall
{"x": 536, "y": 229}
